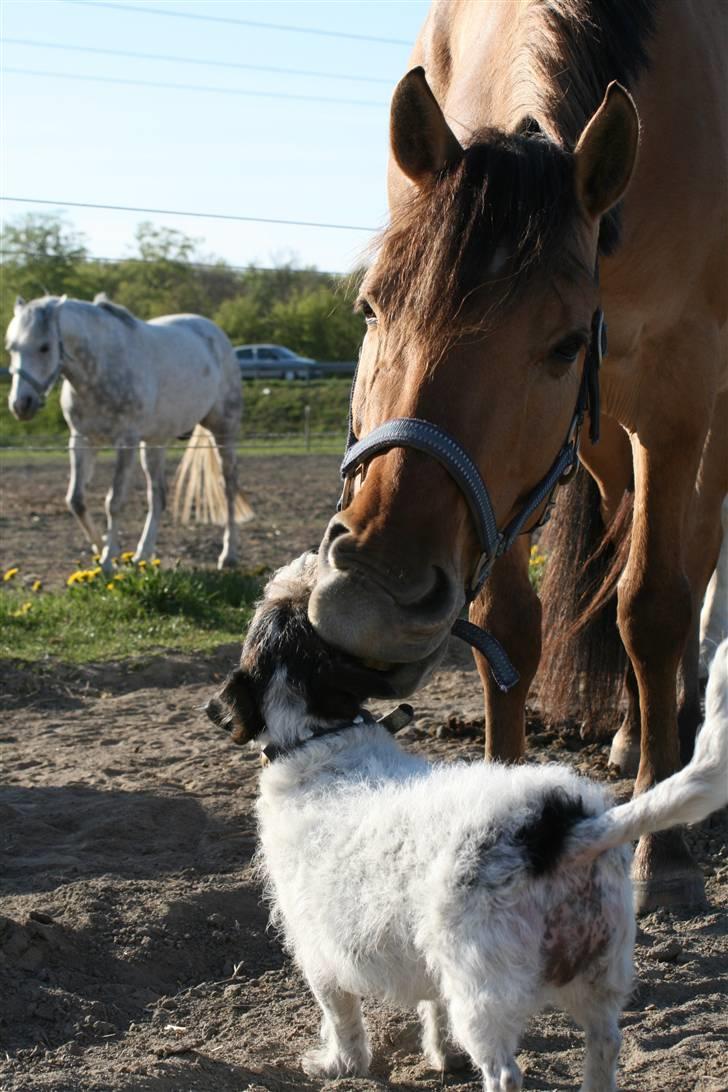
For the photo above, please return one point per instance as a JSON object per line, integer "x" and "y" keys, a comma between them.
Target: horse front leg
{"x": 654, "y": 616}
{"x": 509, "y": 608}
{"x": 115, "y": 499}
{"x": 152, "y": 459}
{"x": 82, "y": 465}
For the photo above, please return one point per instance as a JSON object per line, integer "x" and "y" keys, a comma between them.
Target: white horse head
{"x": 35, "y": 345}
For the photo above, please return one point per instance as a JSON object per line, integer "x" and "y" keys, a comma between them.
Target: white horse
{"x": 134, "y": 384}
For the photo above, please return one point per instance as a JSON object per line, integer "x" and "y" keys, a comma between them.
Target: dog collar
{"x": 393, "y": 721}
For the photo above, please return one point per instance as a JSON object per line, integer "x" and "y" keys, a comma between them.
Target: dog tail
{"x": 687, "y": 797}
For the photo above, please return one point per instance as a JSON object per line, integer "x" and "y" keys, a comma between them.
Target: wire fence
{"x": 304, "y": 440}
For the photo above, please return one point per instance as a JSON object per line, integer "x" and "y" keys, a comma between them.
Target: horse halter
{"x": 435, "y": 441}
{"x": 43, "y": 389}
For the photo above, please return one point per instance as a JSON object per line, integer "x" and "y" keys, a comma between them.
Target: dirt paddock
{"x": 134, "y": 953}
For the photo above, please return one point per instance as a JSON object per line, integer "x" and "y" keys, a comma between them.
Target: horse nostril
{"x": 336, "y": 529}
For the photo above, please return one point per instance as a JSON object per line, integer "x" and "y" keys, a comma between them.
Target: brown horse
{"x": 509, "y": 163}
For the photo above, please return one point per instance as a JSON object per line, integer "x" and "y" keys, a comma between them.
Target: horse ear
{"x": 607, "y": 152}
{"x": 422, "y": 142}
{"x": 19, "y": 305}
{"x": 61, "y": 300}
{"x": 235, "y": 708}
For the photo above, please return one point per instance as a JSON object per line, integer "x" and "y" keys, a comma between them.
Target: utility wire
{"x": 205, "y": 88}
{"x": 147, "y": 10}
{"x": 222, "y": 266}
{"x": 181, "y": 212}
{"x": 210, "y": 63}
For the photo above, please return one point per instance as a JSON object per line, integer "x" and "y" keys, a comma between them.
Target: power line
{"x": 68, "y": 47}
{"x": 147, "y": 10}
{"x": 181, "y": 212}
{"x": 222, "y": 266}
{"x": 206, "y": 88}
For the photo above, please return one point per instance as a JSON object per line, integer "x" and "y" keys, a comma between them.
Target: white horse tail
{"x": 689, "y": 796}
{"x": 199, "y": 484}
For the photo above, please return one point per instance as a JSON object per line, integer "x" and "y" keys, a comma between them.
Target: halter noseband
{"x": 435, "y": 441}
{"x": 43, "y": 389}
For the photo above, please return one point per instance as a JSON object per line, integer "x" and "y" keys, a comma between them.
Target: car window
{"x": 266, "y": 354}
{"x": 244, "y": 354}
{"x": 285, "y": 354}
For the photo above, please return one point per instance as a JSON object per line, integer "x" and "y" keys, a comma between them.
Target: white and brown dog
{"x": 479, "y": 893}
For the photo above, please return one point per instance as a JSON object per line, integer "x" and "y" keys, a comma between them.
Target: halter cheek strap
{"x": 43, "y": 389}
{"x": 435, "y": 441}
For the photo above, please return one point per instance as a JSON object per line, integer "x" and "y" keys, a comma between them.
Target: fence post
{"x": 307, "y": 427}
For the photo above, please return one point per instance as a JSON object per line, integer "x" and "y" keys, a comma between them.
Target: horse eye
{"x": 567, "y": 350}
{"x": 368, "y": 312}
{"x": 44, "y": 347}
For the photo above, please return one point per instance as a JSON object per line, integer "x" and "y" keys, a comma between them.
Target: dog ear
{"x": 235, "y": 708}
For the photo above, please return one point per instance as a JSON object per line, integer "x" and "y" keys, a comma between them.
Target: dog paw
{"x": 323, "y": 1062}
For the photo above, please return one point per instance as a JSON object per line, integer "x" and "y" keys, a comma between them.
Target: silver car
{"x": 273, "y": 362}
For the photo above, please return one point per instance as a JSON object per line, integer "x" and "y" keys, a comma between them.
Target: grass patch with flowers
{"x": 138, "y": 608}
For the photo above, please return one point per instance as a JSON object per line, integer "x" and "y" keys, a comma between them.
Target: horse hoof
{"x": 227, "y": 562}
{"x": 624, "y": 754}
{"x": 664, "y": 874}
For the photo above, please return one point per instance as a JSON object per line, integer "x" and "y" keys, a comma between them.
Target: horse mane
{"x": 115, "y": 309}
{"x": 508, "y": 202}
{"x": 578, "y": 47}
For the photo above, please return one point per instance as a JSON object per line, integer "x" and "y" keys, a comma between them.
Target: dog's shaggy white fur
{"x": 479, "y": 893}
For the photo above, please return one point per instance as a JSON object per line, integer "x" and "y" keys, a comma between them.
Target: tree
{"x": 41, "y": 255}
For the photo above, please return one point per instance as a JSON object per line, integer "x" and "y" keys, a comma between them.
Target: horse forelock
{"x": 36, "y": 317}
{"x": 478, "y": 235}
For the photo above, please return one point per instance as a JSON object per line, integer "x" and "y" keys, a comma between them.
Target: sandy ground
{"x": 134, "y": 953}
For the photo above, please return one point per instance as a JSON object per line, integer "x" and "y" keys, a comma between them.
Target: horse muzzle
{"x": 381, "y": 613}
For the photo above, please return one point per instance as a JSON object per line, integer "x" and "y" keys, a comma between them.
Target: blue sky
{"x": 202, "y": 150}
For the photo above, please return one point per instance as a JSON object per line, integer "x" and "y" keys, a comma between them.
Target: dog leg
{"x": 603, "y": 1041}
{"x": 489, "y": 1032}
{"x": 344, "y": 1051}
{"x": 598, "y": 1012}
{"x": 433, "y": 1016}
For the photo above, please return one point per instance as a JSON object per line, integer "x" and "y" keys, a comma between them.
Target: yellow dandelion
{"x": 156, "y": 562}
{"x": 36, "y": 585}
{"x": 119, "y": 576}
{"x": 96, "y": 558}
{"x": 75, "y": 578}
{"x": 22, "y": 609}
{"x": 10, "y": 573}
{"x": 127, "y": 556}
{"x": 110, "y": 586}
{"x": 142, "y": 564}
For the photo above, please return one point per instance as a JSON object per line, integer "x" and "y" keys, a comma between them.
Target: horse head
{"x": 479, "y": 312}
{"x": 34, "y": 342}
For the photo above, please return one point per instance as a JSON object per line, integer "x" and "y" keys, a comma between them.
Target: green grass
{"x": 272, "y": 407}
{"x": 143, "y": 610}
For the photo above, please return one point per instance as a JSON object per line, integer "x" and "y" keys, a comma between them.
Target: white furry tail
{"x": 687, "y": 797}
{"x": 199, "y": 484}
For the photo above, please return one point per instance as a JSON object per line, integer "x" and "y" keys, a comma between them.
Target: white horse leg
{"x": 114, "y": 502}
{"x": 229, "y": 553}
{"x": 82, "y": 465}
{"x": 152, "y": 459}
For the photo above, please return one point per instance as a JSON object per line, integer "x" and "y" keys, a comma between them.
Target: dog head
{"x": 289, "y": 681}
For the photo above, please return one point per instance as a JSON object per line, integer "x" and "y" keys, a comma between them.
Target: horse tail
{"x": 199, "y": 484}
{"x": 584, "y": 663}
